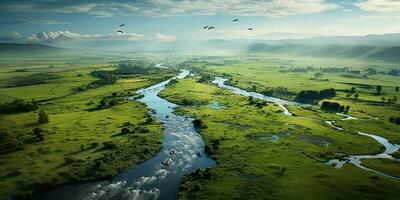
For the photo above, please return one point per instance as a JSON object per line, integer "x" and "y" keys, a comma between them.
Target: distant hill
{"x": 14, "y": 48}
{"x": 387, "y": 54}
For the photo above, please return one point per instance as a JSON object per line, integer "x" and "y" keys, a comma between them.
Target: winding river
{"x": 182, "y": 153}
{"x": 158, "y": 177}
{"x": 352, "y": 159}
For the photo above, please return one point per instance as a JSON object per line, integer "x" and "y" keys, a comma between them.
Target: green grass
{"x": 250, "y": 165}
{"x": 72, "y": 149}
{"x": 384, "y": 165}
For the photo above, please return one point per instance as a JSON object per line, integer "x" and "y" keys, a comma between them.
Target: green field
{"x": 260, "y": 152}
{"x": 250, "y": 164}
{"x": 72, "y": 148}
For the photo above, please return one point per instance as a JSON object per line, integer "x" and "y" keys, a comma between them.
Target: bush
{"x": 142, "y": 130}
{"x": 43, "y": 117}
{"x": 109, "y": 145}
{"x": 69, "y": 160}
{"x": 395, "y": 120}
{"x": 9, "y": 142}
{"x": 198, "y": 123}
{"x": 38, "y": 133}
{"x": 125, "y": 131}
{"x": 17, "y": 106}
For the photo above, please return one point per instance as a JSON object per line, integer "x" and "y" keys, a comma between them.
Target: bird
{"x": 211, "y": 27}
{"x": 235, "y": 20}
{"x": 205, "y": 27}
{"x": 250, "y": 29}
{"x": 121, "y": 25}
{"x": 120, "y": 32}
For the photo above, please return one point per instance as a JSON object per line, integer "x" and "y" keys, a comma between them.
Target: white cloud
{"x": 55, "y": 36}
{"x": 268, "y": 8}
{"x": 157, "y": 8}
{"x": 380, "y": 5}
{"x": 164, "y": 38}
{"x": 81, "y": 8}
{"x": 15, "y": 35}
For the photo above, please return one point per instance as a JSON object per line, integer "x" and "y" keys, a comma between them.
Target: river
{"x": 158, "y": 177}
{"x": 356, "y": 160}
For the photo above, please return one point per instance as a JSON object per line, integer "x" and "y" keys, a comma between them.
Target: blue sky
{"x": 46, "y": 21}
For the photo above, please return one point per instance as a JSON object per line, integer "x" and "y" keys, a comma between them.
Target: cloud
{"x": 57, "y": 36}
{"x": 162, "y": 8}
{"x": 162, "y": 37}
{"x": 268, "y": 8}
{"x": 13, "y": 36}
{"x": 380, "y": 5}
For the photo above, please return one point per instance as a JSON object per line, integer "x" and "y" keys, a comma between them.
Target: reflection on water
{"x": 280, "y": 102}
{"x": 159, "y": 177}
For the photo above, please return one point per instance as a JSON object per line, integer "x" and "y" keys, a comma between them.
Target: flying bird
{"x": 211, "y": 27}
{"x": 120, "y": 32}
{"x": 235, "y": 20}
{"x": 121, "y": 25}
{"x": 205, "y": 27}
{"x": 250, "y": 29}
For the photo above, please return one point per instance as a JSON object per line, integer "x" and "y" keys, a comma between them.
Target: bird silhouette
{"x": 235, "y": 20}
{"x": 121, "y": 25}
{"x": 250, "y": 29}
{"x": 211, "y": 27}
{"x": 205, "y": 27}
{"x": 120, "y": 32}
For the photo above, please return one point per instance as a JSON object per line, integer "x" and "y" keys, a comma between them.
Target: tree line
{"x": 334, "y": 107}
{"x": 314, "y": 95}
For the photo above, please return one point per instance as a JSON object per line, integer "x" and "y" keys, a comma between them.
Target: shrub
{"x": 9, "y": 142}
{"x": 38, "y": 133}
{"x": 125, "y": 131}
{"x": 43, "y": 117}
{"x": 17, "y": 106}
{"x": 69, "y": 160}
{"x": 109, "y": 145}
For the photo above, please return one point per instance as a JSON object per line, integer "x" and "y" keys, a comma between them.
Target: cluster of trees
{"x": 394, "y": 72}
{"x": 257, "y": 102}
{"x": 334, "y": 107}
{"x": 313, "y": 95}
{"x": 299, "y": 69}
{"x": 18, "y": 106}
{"x": 104, "y": 78}
{"x": 133, "y": 68}
{"x": 389, "y": 100}
{"x": 9, "y": 142}
{"x": 334, "y": 69}
{"x": 395, "y": 120}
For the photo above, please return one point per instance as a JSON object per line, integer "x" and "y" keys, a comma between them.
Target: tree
{"x": 352, "y": 90}
{"x": 38, "y": 133}
{"x": 342, "y": 109}
{"x": 347, "y": 108}
{"x": 379, "y": 89}
{"x": 356, "y": 96}
{"x": 395, "y": 99}
{"x": 43, "y": 117}
{"x": 383, "y": 99}
{"x": 397, "y": 89}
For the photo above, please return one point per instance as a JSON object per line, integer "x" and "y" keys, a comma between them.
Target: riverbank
{"x": 262, "y": 153}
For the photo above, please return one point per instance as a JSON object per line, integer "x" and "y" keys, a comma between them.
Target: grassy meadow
{"x": 242, "y": 136}
{"x": 81, "y": 141}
